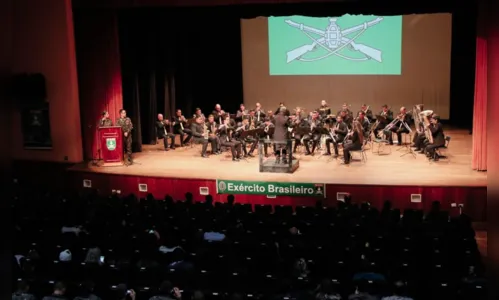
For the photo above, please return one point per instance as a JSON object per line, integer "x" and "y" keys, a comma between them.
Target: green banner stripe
{"x": 271, "y": 188}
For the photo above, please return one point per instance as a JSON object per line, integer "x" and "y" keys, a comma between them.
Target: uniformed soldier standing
{"x": 105, "y": 121}
{"x": 126, "y": 127}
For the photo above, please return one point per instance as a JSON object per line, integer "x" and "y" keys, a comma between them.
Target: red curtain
{"x": 99, "y": 72}
{"x": 479, "y": 158}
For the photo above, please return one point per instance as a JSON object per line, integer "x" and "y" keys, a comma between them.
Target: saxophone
{"x": 205, "y": 131}
{"x": 252, "y": 125}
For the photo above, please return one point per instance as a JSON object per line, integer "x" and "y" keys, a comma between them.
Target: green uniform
{"x": 126, "y": 127}
{"x": 106, "y": 122}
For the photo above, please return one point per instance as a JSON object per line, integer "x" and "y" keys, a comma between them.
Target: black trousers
{"x": 376, "y": 130}
{"x": 205, "y": 142}
{"x": 398, "y": 131}
{"x": 254, "y": 144}
{"x": 430, "y": 149}
{"x": 183, "y": 132}
{"x": 350, "y": 147}
{"x": 315, "y": 138}
{"x": 280, "y": 149}
{"x": 165, "y": 137}
{"x": 297, "y": 138}
{"x": 127, "y": 145}
{"x": 329, "y": 141}
{"x": 235, "y": 147}
{"x": 420, "y": 141}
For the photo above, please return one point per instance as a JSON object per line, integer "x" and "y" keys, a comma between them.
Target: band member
{"x": 126, "y": 127}
{"x": 226, "y": 140}
{"x": 386, "y": 117}
{"x": 105, "y": 121}
{"x": 353, "y": 141}
{"x": 399, "y": 127}
{"x": 346, "y": 117}
{"x": 347, "y": 111}
{"x": 364, "y": 122}
{"x": 212, "y": 127}
{"x": 242, "y": 113}
{"x": 270, "y": 115}
{"x": 314, "y": 123}
{"x": 368, "y": 113}
{"x": 252, "y": 120}
{"x": 339, "y": 133}
{"x": 324, "y": 110}
{"x": 244, "y": 126}
{"x": 437, "y": 132}
{"x": 259, "y": 114}
{"x": 163, "y": 132}
{"x": 201, "y": 136}
{"x": 218, "y": 113}
{"x": 198, "y": 113}
{"x": 179, "y": 127}
{"x": 266, "y": 126}
{"x": 298, "y": 120}
{"x": 281, "y": 135}
{"x": 419, "y": 139}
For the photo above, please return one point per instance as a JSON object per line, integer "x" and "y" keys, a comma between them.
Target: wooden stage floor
{"x": 389, "y": 169}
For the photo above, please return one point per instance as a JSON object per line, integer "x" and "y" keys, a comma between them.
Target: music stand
{"x": 407, "y": 146}
{"x": 322, "y": 131}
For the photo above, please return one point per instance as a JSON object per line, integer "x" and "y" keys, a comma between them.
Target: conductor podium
{"x": 111, "y": 145}
{"x": 286, "y": 164}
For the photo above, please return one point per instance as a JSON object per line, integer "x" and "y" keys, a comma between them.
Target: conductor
{"x": 281, "y": 135}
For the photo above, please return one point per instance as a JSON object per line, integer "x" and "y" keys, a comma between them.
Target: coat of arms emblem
{"x": 111, "y": 144}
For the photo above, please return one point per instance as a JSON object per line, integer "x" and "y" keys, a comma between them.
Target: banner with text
{"x": 271, "y": 188}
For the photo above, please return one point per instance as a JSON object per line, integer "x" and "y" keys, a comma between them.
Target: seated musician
{"x": 266, "y": 126}
{"x": 198, "y": 113}
{"x": 368, "y": 113}
{"x": 241, "y": 113}
{"x": 218, "y": 114}
{"x": 298, "y": 120}
{"x": 420, "y": 141}
{"x": 226, "y": 139}
{"x": 106, "y": 120}
{"x": 347, "y": 111}
{"x": 364, "y": 122}
{"x": 314, "y": 123}
{"x": 212, "y": 127}
{"x": 339, "y": 131}
{"x": 259, "y": 113}
{"x": 270, "y": 115}
{"x": 252, "y": 120}
{"x": 386, "y": 117}
{"x": 353, "y": 141}
{"x": 347, "y": 119}
{"x": 201, "y": 137}
{"x": 179, "y": 123}
{"x": 163, "y": 132}
{"x": 437, "y": 132}
{"x": 400, "y": 127}
{"x": 244, "y": 126}
{"x": 324, "y": 110}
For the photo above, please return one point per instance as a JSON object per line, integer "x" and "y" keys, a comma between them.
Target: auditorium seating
{"x": 432, "y": 253}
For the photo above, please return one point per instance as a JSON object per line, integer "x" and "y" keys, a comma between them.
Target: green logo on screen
{"x": 111, "y": 144}
{"x": 222, "y": 186}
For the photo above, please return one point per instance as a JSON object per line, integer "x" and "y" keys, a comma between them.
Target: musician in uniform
{"x": 399, "y": 127}
{"x": 298, "y": 120}
{"x": 270, "y": 115}
{"x": 353, "y": 141}
{"x": 200, "y": 136}
{"x": 266, "y": 126}
{"x": 218, "y": 113}
{"x": 346, "y": 117}
{"x": 437, "y": 132}
{"x": 364, "y": 122}
{"x": 212, "y": 127}
{"x": 179, "y": 127}
{"x": 198, "y": 113}
{"x": 324, "y": 110}
{"x": 242, "y": 113}
{"x": 126, "y": 127}
{"x": 243, "y": 126}
{"x": 348, "y": 112}
{"x": 368, "y": 113}
{"x": 339, "y": 131}
{"x": 106, "y": 120}
{"x": 314, "y": 123}
{"x": 162, "y": 132}
{"x": 226, "y": 140}
{"x": 259, "y": 114}
{"x": 387, "y": 117}
{"x": 281, "y": 135}
{"x": 419, "y": 139}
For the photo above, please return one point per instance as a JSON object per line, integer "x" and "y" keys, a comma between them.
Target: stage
{"x": 385, "y": 169}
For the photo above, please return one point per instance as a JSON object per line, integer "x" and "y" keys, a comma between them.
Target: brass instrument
{"x": 388, "y": 127}
{"x": 424, "y": 115}
{"x": 366, "y": 110}
{"x": 205, "y": 131}
{"x": 416, "y": 111}
{"x": 181, "y": 121}
{"x": 252, "y": 124}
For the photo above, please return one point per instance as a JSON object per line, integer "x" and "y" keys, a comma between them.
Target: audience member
{"x": 326, "y": 291}
{"x": 398, "y": 293}
{"x": 86, "y": 292}
{"x": 65, "y": 256}
{"x": 22, "y": 292}
{"x": 123, "y": 293}
{"x": 362, "y": 292}
{"x": 59, "y": 292}
{"x": 167, "y": 292}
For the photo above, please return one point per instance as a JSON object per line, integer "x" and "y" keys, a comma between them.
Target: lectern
{"x": 111, "y": 144}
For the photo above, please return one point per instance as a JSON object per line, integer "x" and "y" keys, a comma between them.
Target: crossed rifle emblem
{"x": 333, "y": 40}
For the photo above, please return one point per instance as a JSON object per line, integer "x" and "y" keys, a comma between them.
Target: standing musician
{"x": 163, "y": 132}
{"x": 259, "y": 113}
{"x": 437, "y": 132}
{"x": 201, "y": 136}
{"x": 212, "y": 127}
{"x": 324, "y": 110}
{"x": 242, "y": 113}
{"x": 198, "y": 113}
{"x": 364, "y": 122}
{"x": 126, "y": 127}
{"x": 106, "y": 120}
{"x": 399, "y": 127}
{"x": 244, "y": 126}
{"x": 314, "y": 123}
{"x": 266, "y": 126}
{"x": 281, "y": 135}
{"x": 387, "y": 117}
{"x": 179, "y": 124}
{"x": 339, "y": 132}
{"x": 226, "y": 140}
{"x": 368, "y": 113}
{"x": 353, "y": 141}
{"x": 218, "y": 114}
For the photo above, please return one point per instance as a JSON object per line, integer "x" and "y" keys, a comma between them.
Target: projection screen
{"x": 394, "y": 60}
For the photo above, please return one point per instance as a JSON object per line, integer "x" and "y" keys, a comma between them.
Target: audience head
{"x": 387, "y": 205}
{"x": 197, "y": 295}
{"x": 399, "y": 288}
{"x": 189, "y": 197}
{"x": 209, "y": 200}
{"x": 86, "y": 288}
{"x": 231, "y": 199}
{"x": 22, "y": 286}
{"x": 59, "y": 288}
{"x": 165, "y": 288}
{"x": 435, "y": 206}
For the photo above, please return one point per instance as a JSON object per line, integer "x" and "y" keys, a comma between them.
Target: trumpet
{"x": 366, "y": 110}
{"x": 388, "y": 127}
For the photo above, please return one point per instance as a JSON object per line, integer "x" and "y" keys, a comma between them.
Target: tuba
{"x": 424, "y": 115}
